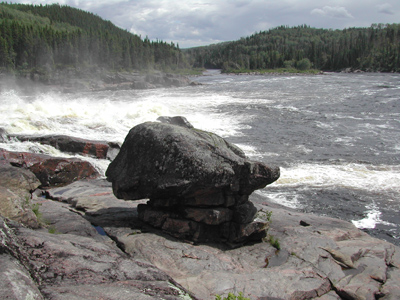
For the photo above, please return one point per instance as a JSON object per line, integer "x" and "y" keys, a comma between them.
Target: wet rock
{"x": 16, "y": 186}
{"x": 64, "y": 143}
{"x": 198, "y": 183}
{"x": 51, "y": 171}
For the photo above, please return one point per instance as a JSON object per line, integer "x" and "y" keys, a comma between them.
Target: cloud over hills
{"x": 202, "y": 22}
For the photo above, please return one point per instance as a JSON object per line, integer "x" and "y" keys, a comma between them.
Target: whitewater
{"x": 336, "y": 137}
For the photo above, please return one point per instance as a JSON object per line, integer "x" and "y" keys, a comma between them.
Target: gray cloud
{"x": 334, "y": 12}
{"x": 385, "y": 8}
{"x": 202, "y": 22}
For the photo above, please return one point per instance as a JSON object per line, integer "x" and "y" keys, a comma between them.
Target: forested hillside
{"x": 376, "y": 48}
{"x": 50, "y": 37}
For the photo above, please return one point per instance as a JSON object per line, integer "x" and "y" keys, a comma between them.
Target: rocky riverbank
{"x": 75, "y": 80}
{"x": 76, "y": 240}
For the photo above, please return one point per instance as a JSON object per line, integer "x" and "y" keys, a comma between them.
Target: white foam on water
{"x": 288, "y": 199}
{"x": 373, "y": 217}
{"x": 351, "y": 175}
{"x": 17, "y": 146}
{"x": 250, "y": 151}
{"x": 348, "y": 141}
{"x": 111, "y": 118}
{"x": 370, "y": 221}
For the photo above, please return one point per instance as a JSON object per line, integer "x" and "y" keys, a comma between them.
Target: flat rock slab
{"x": 319, "y": 257}
{"x": 69, "y": 266}
{"x": 323, "y": 258}
{"x": 96, "y": 201}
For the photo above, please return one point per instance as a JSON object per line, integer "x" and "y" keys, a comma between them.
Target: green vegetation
{"x": 35, "y": 209}
{"x": 376, "y": 48}
{"x": 274, "y": 242}
{"x": 232, "y": 296}
{"x": 272, "y": 71}
{"x": 43, "y": 39}
{"x": 52, "y": 230}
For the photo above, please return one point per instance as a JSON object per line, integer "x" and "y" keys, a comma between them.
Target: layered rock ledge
{"x": 198, "y": 183}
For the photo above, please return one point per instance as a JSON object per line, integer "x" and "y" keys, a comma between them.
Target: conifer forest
{"x": 45, "y": 38}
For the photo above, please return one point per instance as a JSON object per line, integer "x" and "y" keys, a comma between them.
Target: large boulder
{"x": 159, "y": 160}
{"x": 198, "y": 183}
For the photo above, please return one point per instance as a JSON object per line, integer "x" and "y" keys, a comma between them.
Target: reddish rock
{"x": 49, "y": 170}
{"x": 64, "y": 143}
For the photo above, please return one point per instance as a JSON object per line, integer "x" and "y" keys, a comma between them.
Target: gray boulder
{"x": 159, "y": 160}
{"x": 198, "y": 183}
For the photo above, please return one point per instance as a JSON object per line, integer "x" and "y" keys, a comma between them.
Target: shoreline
{"x": 73, "y": 81}
{"x": 277, "y": 72}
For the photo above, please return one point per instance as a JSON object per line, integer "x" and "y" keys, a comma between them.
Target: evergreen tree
{"x": 55, "y": 36}
{"x": 375, "y": 48}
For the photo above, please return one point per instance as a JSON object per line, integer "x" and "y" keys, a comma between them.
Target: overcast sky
{"x": 202, "y": 22}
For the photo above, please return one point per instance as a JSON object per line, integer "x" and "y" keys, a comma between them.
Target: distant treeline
{"x": 52, "y": 36}
{"x": 376, "y": 48}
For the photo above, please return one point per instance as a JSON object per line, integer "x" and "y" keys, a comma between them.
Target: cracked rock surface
{"x": 319, "y": 257}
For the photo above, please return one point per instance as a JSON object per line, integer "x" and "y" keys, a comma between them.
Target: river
{"x": 336, "y": 137}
